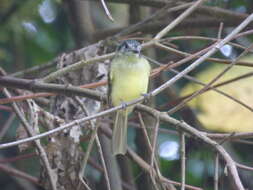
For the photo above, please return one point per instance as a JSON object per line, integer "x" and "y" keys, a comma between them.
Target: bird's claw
{"x": 146, "y": 96}
{"x": 124, "y": 105}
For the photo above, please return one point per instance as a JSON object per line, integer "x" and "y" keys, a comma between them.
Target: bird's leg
{"x": 123, "y": 104}
{"x": 146, "y": 96}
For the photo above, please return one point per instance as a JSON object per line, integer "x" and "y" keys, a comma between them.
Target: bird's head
{"x": 129, "y": 46}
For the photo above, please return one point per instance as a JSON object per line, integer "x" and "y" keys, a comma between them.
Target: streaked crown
{"x": 129, "y": 46}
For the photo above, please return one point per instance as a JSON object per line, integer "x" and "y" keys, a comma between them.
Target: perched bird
{"x": 128, "y": 80}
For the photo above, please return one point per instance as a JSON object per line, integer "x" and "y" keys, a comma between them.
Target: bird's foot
{"x": 124, "y": 105}
{"x": 147, "y": 97}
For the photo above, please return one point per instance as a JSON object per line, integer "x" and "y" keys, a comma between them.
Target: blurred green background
{"x": 35, "y": 32}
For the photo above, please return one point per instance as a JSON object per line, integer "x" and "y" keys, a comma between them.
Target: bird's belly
{"x": 129, "y": 87}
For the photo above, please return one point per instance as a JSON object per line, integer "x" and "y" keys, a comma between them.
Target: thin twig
{"x": 66, "y": 126}
{"x": 94, "y": 127}
{"x": 182, "y": 151}
{"x": 216, "y": 172}
{"x": 77, "y": 65}
{"x": 89, "y": 148}
{"x": 244, "y": 142}
{"x": 198, "y": 54}
{"x": 178, "y": 20}
{"x": 241, "y": 166}
{"x": 14, "y": 172}
{"x": 203, "y": 58}
{"x": 6, "y": 125}
{"x": 165, "y": 10}
{"x": 153, "y": 27}
{"x": 220, "y": 30}
{"x": 205, "y": 10}
{"x": 5, "y": 108}
{"x": 143, "y": 127}
{"x": 35, "y": 69}
{"x": 214, "y": 87}
{"x": 236, "y": 137}
{"x": 17, "y": 158}
{"x": 103, "y": 163}
{"x": 187, "y": 128}
{"x": 59, "y": 89}
{"x": 239, "y": 135}
{"x": 147, "y": 168}
{"x": 80, "y": 52}
{"x": 241, "y": 34}
{"x": 211, "y": 82}
{"x": 42, "y": 152}
{"x": 41, "y": 86}
{"x": 81, "y": 63}
{"x": 154, "y": 141}
{"x": 107, "y": 12}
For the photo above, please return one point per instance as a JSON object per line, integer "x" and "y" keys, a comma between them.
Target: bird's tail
{"x": 119, "y": 137}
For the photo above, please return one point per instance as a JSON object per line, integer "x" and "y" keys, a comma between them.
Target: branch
{"x": 150, "y": 28}
{"x": 76, "y": 66}
{"x": 80, "y": 64}
{"x": 216, "y": 47}
{"x": 35, "y": 85}
{"x": 153, "y": 93}
{"x": 216, "y": 172}
{"x": 184, "y": 54}
{"x": 163, "y": 117}
{"x": 181, "y": 125}
{"x": 35, "y": 69}
{"x": 144, "y": 165}
{"x": 108, "y": 14}
{"x": 207, "y": 86}
{"x": 66, "y": 126}
{"x": 183, "y": 159}
{"x": 214, "y": 88}
{"x": 38, "y": 145}
{"x": 206, "y": 10}
{"x": 12, "y": 171}
{"x": 178, "y": 20}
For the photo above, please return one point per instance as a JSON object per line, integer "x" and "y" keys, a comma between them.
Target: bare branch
{"x": 187, "y": 128}
{"x": 178, "y": 20}
{"x": 211, "y": 82}
{"x": 203, "y": 58}
{"x": 42, "y": 152}
{"x": 216, "y": 172}
{"x": 12, "y": 171}
{"x": 182, "y": 151}
{"x": 107, "y": 12}
{"x": 41, "y": 86}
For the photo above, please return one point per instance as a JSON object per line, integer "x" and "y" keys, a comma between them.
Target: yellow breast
{"x": 129, "y": 78}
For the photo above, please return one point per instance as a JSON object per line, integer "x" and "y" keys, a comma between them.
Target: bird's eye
{"x": 125, "y": 46}
{"x": 129, "y": 46}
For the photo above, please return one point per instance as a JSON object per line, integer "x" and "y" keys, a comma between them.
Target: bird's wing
{"x": 109, "y": 87}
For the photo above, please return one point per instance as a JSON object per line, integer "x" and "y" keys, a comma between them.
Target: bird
{"x": 128, "y": 80}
